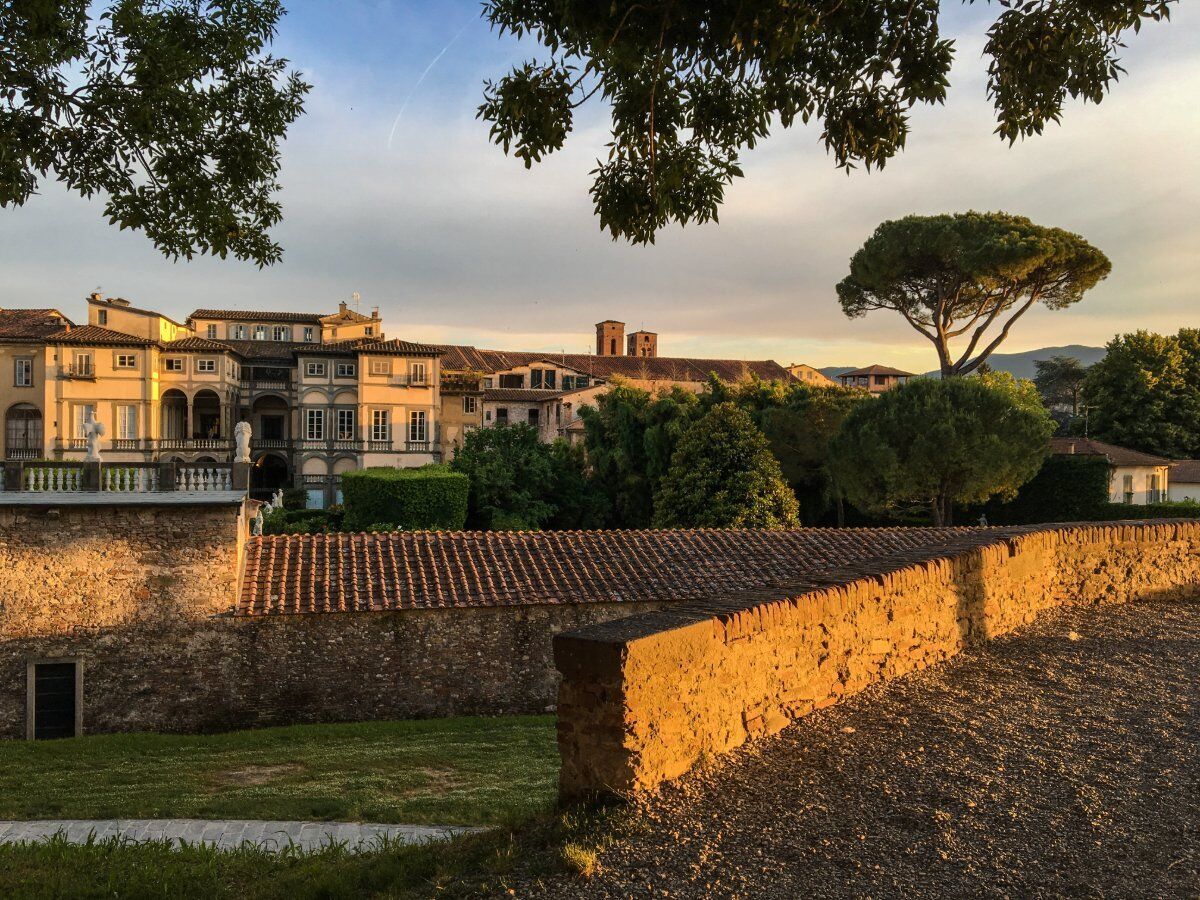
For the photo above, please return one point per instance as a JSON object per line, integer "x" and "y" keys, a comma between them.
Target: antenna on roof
{"x": 357, "y": 298}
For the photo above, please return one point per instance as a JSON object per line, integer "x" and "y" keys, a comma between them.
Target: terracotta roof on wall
{"x": 200, "y": 344}
{"x": 292, "y": 574}
{"x": 1117, "y": 456}
{"x": 658, "y": 368}
{"x": 250, "y": 315}
{"x": 30, "y": 324}
{"x": 877, "y": 370}
{"x": 516, "y": 395}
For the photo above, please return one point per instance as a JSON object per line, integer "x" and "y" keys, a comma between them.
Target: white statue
{"x": 256, "y": 524}
{"x": 241, "y": 434}
{"x": 277, "y": 500}
{"x": 92, "y": 432}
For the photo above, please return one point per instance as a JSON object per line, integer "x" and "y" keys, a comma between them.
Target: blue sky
{"x": 391, "y": 189}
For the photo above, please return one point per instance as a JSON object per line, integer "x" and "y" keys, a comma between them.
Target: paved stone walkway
{"x": 228, "y": 834}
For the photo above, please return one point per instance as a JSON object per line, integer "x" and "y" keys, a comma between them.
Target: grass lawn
{"x": 464, "y": 771}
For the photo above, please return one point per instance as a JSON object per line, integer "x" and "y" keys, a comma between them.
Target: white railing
{"x": 199, "y": 477}
{"x": 129, "y": 479}
{"x": 53, "y": 478}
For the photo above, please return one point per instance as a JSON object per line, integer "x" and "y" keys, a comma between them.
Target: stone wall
{"x": 143, "y": 597}
{"x": 642, "y": 700}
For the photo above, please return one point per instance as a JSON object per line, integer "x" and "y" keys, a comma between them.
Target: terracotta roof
{"x": 278, "y": 352}
{"x": 123, "y": 304}
{"x": 30, "y": 324}
{"x": 656, "y": 368}
{"x": 95, "y": 335}
{"x": 516, "y": 395}
{"x": 291, "y": 574}
{"x": 250, "y": 315}
{"x": 877, "y": 370}
{"x": 1186, "y": 471}
{"x": 199, "y": 344}
{"x": 1117, "y": 456}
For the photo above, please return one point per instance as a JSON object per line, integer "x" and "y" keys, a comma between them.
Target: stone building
{"x": 875, "y": 379}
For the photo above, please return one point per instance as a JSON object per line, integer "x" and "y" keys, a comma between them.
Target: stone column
{"x": 187, "y": 421}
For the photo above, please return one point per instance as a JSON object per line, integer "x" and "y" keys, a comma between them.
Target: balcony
{"x": 78, "y": 373}
{"x": 417, "y": 446}
{"x": 219, "y": 445}
{"x": 83, "y": 478}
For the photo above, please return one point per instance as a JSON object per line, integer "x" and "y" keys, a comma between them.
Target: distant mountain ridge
{"x": 1021, "y": 365}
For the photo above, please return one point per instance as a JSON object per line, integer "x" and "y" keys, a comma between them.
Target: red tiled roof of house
{"x": 94, "y": 335}
{"x": 293, "y": 574}
{"x": 1186, "y": 471}
{"x": 203, "y": 345}
{"x": 655, "y": 368}
{"x": 518, "y": 395}
{"x": 30, "y": 324}
{"x": 877, "y": 370}
{"x": 250, "y": 315}
{"x": 1117, "y": 456}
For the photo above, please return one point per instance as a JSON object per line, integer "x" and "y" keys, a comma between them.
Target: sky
{"x": 391, "y": 189}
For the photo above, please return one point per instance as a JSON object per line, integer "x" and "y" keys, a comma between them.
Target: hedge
{"x": 1065, "y": 489}
{"x": 431, "y": 498}
{"x": 1179, "y": 509}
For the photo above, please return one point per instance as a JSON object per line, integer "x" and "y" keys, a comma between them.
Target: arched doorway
{"x": 269, "y": 419}
{"x": 270, "y": 473}
{"x": 23, "y": 435}
{"x": 206, "y": 416}
{"x": 174, "y": 415}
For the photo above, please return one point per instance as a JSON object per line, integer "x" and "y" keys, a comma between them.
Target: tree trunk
{"x": 936, "y": 507}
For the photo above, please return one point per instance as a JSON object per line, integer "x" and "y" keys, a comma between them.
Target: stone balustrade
{"x": 64, "y": 477}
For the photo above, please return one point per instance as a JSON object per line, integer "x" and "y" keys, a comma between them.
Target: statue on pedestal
{"x": 241, "y": 435}
{"x": 92, "y": 432}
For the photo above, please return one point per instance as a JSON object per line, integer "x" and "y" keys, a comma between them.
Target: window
{"x": 533, "y": 417}
{"x": 381, "y": 428}
{"x": 1128, "y": 488}
{"x": 417, "y": 374}
{"x": 487, "y": 415}
{"x": 488, "y": 382}
{"x": 315, "y": 370}
{"x": 280, "y": 333}
{"x": 347, "y": 370}
{"x": 369, "y": 330}
{"x": 549, "y": 379}
{"x": 127, "y": 422}
{"x": 55, "y": 695}
{"x": 23, "y": 371}
{"x": 416, "y": 426}
{"x": 314, "y": 424}
{"x": 83, "y": 412}
{"x": 346, "y": 425}
{"x": 568, "y": 382}
{"x": 535, "y": 378}
{"x": 102, "y": 317}
{"x": 612, "y": 347}
{"x": 512, "y": 381}
{"x": 469, "y": 405}
{"x": 502, "y": 415}
{"x": 308, "y": 334}
{"x": 206, "y": 365}
{"x": 125, "y": 361}
{"x": 260, "y": 332}
{"x": 174, "y": 365}
{"x": 1154, "y": 490}
{"x": 211, "y": 331}
{"x": 83, "y": 365}
{"x": 381, "y": 367}
{"x": 238, "y": 332}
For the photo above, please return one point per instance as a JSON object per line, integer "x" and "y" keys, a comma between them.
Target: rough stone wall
{"x": 71, "y": 567}
{"x": 227, "y": 672}
{"x": 643, "y": 700}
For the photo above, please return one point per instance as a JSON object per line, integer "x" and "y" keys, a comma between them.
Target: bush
{"x": 295, "y": 498}
{"x": 298, "y": 521}
{"x": 1179, "y": 509}
{"x": 431, "y": 498}
{"x": 1065, "y": 489}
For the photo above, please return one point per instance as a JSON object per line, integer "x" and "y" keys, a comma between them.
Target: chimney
{"x": 341, "y": 307}
{"x": 118, "y": 301}
{"x": 96, "y": 296}
{"x": 374, "y": 312}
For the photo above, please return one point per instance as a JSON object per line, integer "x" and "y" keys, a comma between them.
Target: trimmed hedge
{"x": 1178, "y": 509}
{"x": 431, "y": 498}
{"x": 1065, "y": 489}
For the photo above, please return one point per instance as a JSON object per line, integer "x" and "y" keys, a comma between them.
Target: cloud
{"x": 457, "y": 242}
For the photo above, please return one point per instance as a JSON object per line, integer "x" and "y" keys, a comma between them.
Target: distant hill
{"x": 1019, "y": 364}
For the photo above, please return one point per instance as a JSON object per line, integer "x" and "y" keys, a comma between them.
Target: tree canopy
{"x": 970, "y": 275}
{"x": 937, "y": 442}
{"x": 691, "y": 86}
{"x": 723, "y": 475}
{"x": 172, "y": 109}
{"x": 1060, "y": 381}
{"x": 1145, "y": 393}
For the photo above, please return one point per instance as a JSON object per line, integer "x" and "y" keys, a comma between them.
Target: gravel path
{"x": 228, "y": 834}
{"x": 1061, "y": 761}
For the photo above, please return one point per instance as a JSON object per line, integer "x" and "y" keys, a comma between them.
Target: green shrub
{"x": 297, "y": 521}
{"x": 295, "y": 498}
{"x": 1065, "y": 489}
{"x": 429, "y": 498}
{"x": 1180, "y": 509}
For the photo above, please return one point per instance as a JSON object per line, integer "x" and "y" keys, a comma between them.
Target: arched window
{"x": 23, "y": 432}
